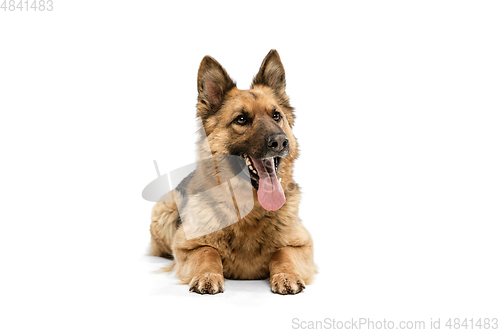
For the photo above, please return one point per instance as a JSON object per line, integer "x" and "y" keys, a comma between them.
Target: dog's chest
{"x": 246, "y": 253}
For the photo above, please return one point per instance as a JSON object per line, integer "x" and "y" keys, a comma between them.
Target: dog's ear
{"x": 213, "y": 83}
{"x": 271, "y": 73}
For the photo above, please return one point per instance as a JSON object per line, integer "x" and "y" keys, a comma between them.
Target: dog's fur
{"x": 263, "y": 244}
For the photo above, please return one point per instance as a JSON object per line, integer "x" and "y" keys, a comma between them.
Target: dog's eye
{"x": 277, "y": 116}
{"x": 241, "y": 120}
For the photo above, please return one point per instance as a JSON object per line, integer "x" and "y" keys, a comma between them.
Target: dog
{"x": 269, "y": 242}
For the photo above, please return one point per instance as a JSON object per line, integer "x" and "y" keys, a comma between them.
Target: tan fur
{"x": 264, "y": 244}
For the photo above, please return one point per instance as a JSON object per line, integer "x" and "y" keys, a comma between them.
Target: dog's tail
{"x": 164, "y": 224}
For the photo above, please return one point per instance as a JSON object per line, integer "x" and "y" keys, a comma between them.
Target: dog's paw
{"x": 286, "y": 284}
{"x": 207, "y": 284}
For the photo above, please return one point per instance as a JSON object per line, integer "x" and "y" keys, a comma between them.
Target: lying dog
{"x": 270, "y": 240}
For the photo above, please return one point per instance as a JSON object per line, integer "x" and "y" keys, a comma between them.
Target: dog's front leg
{"x": 290, "y": 269}
{"x": 203, "y": 266}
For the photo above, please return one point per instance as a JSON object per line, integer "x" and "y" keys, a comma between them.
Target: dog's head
{"x": 255, "y": 124}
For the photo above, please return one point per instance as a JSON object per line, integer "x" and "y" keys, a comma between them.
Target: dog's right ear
{"x": 213, "y": 83}
{"x": 271, "y": 73}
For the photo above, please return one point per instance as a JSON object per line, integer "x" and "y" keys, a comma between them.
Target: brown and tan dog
{"x": 270, "y": 241}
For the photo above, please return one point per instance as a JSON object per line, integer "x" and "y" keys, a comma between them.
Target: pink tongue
{"x": 270, "y": 193}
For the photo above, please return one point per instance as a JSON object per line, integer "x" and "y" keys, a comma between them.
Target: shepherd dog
{"x": 269, "y": 241}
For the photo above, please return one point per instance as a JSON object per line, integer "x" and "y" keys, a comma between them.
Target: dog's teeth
{"x": 280, "y": 180}
{"x": 249, "y": 164}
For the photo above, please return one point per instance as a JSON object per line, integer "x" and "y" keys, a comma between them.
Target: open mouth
{"x": 269, "y": 163}
{"x": 263, "y": 175}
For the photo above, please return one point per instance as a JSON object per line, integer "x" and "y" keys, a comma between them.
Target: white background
{"x": 398, "y": 122}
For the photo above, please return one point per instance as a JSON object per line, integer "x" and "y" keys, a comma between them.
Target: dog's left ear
{"x": 271, "y": 73}
{"x": 213, "y": 83}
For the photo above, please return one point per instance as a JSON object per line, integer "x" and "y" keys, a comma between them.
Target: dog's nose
{"x": 277, "y": 142}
